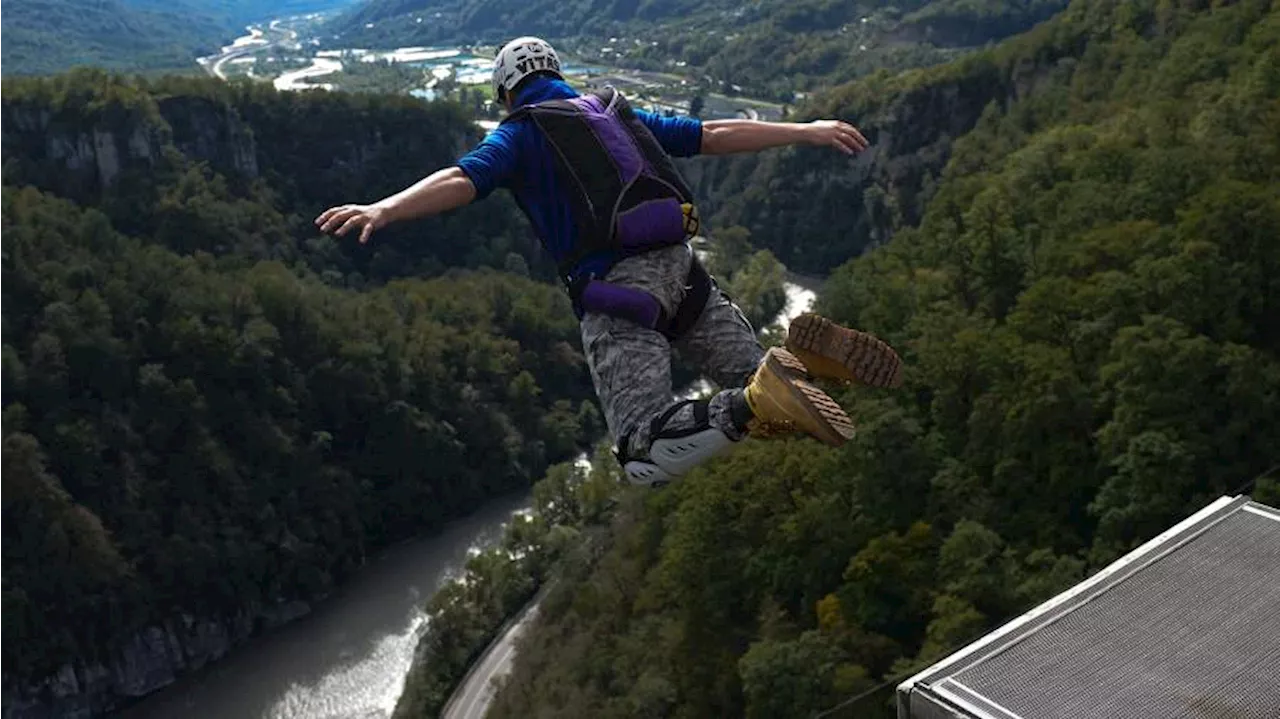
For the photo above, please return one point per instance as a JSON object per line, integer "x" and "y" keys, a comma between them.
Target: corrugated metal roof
{"x": 1188, "y": 625}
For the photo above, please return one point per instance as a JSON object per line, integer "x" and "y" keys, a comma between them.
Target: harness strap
{"x": 695, "y": 300}
{"x": 625, "y": 192}
{"x": 701, "y": 421}
{"x": 592, "y": 295}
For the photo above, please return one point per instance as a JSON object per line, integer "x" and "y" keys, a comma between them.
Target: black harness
{"x": 627, "y": 199}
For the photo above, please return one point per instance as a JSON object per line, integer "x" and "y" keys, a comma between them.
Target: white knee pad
{"x": 671, "y": 457}
{"x": 678, "y": 455}
{"x": 646, "y": 474}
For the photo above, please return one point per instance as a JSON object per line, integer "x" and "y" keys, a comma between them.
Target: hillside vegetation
{"x": 1086, "y": 299}
{"x": 211, "y": 413}
{"x": 48, "y": 36}
{"x": 769, "y": 48}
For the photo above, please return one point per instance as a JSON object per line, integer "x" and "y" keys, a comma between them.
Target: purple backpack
{"x": 626, "y": 195}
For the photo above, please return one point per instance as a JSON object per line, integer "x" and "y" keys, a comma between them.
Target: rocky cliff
{"x": 126, "y": 147}
{"x": 319, "y": 147}
{"x": 145, "y": 662}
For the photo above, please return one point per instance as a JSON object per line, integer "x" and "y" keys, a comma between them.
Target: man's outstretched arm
{"x": 723, "y": 137}
{"x": 441, "y": 191}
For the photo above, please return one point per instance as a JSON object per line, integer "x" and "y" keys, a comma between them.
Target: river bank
{"x": 476, "y": 689}
{"x": 348, "y": 657}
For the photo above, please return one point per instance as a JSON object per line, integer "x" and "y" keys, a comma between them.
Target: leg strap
{"x": 672, "y": 453}
{"x": 592, "y": 295}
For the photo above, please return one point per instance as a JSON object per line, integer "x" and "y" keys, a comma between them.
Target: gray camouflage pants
{"x": 631, "y": 365}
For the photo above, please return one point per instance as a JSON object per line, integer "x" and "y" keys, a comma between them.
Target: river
{"x": 348, "y": 658}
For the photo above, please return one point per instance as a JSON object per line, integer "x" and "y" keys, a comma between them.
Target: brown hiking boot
{"x": 834, "y": 352}
{"x": 783, "y": 401}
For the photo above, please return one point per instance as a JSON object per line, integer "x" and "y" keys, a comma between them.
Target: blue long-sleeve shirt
{"x": 515, "y": 155}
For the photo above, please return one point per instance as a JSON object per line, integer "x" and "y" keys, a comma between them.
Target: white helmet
{"x": 520, "y": 58}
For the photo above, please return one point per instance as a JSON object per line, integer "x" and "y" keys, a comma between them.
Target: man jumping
{"x": 596, "y": 180}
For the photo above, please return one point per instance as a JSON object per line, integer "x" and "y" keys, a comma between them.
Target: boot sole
{"x": 834, "y": 352}
{"x": 834, "y": 425}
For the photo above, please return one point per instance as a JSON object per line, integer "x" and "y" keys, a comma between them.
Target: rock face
{"x": 310, "y": 149}
{"x": 45, "y": 146}
{"x": 213, "y": 132}
{"x": 146, "y": 662}
{"x": 80, "y": 155}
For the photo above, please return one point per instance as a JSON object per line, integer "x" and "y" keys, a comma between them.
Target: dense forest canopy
{"x": 210, "y": 410}
{"x": 1087, "y": 306}
{"x": 241, "y": 170}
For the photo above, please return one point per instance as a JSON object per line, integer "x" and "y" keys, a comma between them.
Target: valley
{"x": 286, "y": 52}
{"x": 256, "y": 471}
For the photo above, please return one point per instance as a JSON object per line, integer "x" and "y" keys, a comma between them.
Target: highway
{"x": 247, "y": 45}
{"x": 472, "y": 698}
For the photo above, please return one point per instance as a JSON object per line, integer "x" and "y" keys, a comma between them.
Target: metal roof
{"x": 1187, "y": 625}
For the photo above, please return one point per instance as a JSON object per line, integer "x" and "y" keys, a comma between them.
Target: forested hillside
{"x": 46, "y": 36}
{"x": 769, "y": 48}
{"x": 242, "y": 170}
{"x": 1086, "y": 296}
{"x": 155, "y": 36}
{"x": 212, "y": 415}
{"x": 913, "y": 120}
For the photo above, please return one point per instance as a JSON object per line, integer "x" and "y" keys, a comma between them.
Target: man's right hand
{"x": 346, "y": 217}
{"x": 840, "y": 135}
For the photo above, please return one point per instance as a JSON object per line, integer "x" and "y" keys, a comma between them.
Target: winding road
{"x": 474, "y": 695}
{"x": 245, "y": 46}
